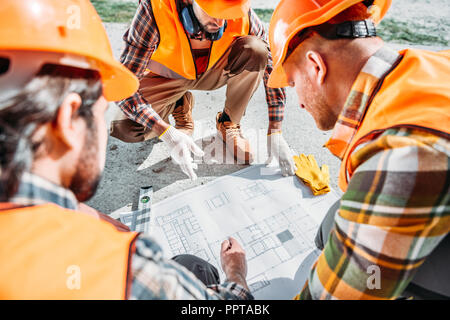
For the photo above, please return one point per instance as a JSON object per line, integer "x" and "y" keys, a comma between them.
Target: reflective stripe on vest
{"x": 174, "y": 49}
{"x": 49, "y": 252}
{"x": 415, "y": 94}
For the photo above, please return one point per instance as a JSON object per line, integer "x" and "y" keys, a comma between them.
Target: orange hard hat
{"x": 225, "y": 9}
{"x": 68, "y": 29}
{"x": 292, "y": 16}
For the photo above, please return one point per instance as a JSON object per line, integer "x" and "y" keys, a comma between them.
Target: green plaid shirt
{"x": 395, "y": 211}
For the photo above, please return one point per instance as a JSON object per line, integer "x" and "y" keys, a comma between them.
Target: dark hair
{"x": 35, "y": 105}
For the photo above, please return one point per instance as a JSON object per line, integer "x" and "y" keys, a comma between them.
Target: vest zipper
{"x": 209, "y": 55}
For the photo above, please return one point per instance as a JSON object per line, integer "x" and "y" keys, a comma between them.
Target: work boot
{"x": 231, "y": 134}
{"x": 183, "y": 114}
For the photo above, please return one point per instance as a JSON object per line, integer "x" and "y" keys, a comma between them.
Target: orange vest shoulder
{"x": 174, "y": 50}
{"x": 415, "y": 94}
{"x": 49, "y": 252}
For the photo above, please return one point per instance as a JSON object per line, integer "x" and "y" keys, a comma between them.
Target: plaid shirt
{"x": 142, "y": 39}
{"x": 396, "y": 209}
{"x": 154, "y": 277}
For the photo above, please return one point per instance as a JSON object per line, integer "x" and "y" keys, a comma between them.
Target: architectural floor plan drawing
{"x": 274, "y": 218}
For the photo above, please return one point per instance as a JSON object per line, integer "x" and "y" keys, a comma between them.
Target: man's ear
{"x": 317, "y": 66}
{"x": 67, "y": 127}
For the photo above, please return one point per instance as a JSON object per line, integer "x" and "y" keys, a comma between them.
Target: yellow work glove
{"x": 317, "y": 179}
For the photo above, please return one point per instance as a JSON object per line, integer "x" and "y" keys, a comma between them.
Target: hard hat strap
{"x": 347, "y": 30}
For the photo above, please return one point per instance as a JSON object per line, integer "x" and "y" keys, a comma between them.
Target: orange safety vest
{"x": 48, "y": 252}
{"x": 415, "y": 94}
{"x": 174, "y": 49}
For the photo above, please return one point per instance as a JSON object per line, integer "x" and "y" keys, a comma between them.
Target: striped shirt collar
{"x": 34, "y": 190}
{"x": 374, "y": 71}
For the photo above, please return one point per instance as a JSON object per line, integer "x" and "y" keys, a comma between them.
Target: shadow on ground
{"x": 130, "y": 166}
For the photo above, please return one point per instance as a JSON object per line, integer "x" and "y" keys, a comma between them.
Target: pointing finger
{"x": 196, "y": 149}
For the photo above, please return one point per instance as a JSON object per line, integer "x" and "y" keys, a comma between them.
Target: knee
{"x": 127, "y": 131}
{"x": 250, "y": 51}
{"x": 202, "y": 269}
{"x": 255, "y": 47}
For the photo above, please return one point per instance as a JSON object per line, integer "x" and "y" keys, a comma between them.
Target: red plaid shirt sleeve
{"x": 276, "y": 98}
{"x": 141, "y": 40}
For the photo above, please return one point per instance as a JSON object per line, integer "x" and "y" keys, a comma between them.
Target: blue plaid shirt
{"x": 154, "y": 276}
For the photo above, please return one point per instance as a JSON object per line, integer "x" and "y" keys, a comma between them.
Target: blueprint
{"x": 274, "y": 218}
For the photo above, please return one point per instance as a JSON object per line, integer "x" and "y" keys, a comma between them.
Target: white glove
{"x": 278, "y": 148}
{"x": 181, "y": 146}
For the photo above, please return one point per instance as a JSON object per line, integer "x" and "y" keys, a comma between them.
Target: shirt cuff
{"x": 232, "y": 290}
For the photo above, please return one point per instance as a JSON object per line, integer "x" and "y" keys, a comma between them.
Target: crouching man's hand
{"x": 181, "y": 146}
{"x": 234, "y": 263}
{"x": 278, "y": 148}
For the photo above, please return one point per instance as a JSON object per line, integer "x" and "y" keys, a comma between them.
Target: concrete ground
{"x": 130, "y": 166}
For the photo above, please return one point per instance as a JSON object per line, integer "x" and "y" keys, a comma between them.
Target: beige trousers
{"x": 241, "y": 68}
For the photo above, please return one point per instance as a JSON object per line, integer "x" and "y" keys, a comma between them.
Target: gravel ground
{"x": 426, "y": 17}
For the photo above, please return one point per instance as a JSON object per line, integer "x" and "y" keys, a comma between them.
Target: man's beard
{"x": 317, "y": 102}
{"x": 87, "y": 174}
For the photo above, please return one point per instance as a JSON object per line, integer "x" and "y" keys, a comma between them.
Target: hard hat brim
{"x": 278, "y": 78}
{"x": 118, "y": 82}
